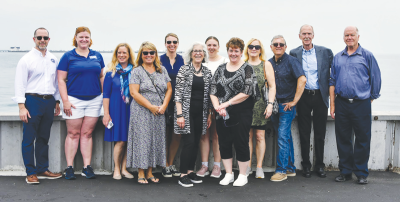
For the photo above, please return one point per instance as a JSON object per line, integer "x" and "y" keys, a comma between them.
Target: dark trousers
{"x": 348, "y": 117}
{"x": 235, "y": 131}
{"x": 191, "y": 141}
{"x": 312, "y": 103}
{"x": 37, "y": 128}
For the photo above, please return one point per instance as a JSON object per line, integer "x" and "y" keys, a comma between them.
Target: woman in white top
{"x": 214, "y": 60}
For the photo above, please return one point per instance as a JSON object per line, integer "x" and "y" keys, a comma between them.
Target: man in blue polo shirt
{"x": 290, "y": 82}
{"x": 355, "y": 82}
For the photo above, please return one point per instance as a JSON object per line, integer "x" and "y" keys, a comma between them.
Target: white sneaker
{"x": 240, "y": 181}
{"x": 227, "y": 179}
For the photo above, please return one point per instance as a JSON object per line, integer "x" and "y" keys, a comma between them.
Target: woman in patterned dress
{"x": 151, "y": 90}
{"x": 233, "y": 93}
{"x": 254, "y": 54}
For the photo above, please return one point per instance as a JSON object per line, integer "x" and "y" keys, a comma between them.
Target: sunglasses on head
{"x": 147, "y": 52}
{"x": 169, "y": 42}
{"x": 44, "y": 37}
{"x": 280, "y": 44}
{"x": 258, "y": 47}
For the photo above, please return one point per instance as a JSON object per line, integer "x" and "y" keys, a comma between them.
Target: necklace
{"x": 198, "y": 72}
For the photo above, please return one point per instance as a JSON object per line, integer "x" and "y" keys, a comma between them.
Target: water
{"x": 389, "y": 65}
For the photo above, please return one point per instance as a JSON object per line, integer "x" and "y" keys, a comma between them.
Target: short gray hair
{"x": 187, "y": 56}
{"x": 278, "y": 37}
{"x": 353, "y": 27}
{"x": 307, "y": 25}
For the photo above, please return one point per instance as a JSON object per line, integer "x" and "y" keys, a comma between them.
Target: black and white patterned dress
{"x": 183, "y": 92}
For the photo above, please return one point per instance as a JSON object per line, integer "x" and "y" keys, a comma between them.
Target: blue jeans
{"x": 282, "y": 124}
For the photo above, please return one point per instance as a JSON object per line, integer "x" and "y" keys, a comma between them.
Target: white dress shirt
{"x": 36, "y": 74}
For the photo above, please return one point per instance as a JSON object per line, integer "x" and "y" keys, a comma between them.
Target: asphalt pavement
{"x": 383, "y": 186}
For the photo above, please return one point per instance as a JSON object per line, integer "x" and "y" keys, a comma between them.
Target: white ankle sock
{"x": 204, "y": 163}
{"x": 217, "y": 164}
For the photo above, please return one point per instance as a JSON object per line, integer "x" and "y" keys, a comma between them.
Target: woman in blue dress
{"x": 116, "y": 103}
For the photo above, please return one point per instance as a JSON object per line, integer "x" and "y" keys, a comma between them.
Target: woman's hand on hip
{"x": 181, "y": 122}
{"x": 106, "y": 119}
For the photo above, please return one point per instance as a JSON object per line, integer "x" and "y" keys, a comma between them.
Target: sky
{"x": 135, "y": 21}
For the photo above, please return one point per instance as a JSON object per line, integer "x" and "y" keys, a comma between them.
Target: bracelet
{"x": 230, "y": 104}
{"x": 270, "y": 103}
{"x": 179, "y": 115}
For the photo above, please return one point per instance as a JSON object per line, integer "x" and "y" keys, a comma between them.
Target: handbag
{"x": 168, "y": 116}
{"x": 265, "y": 92}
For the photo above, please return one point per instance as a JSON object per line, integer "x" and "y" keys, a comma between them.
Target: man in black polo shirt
{"x": 290, "y": 82}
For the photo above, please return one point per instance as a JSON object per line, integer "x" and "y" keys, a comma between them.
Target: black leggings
{"x": 191, "y": 141}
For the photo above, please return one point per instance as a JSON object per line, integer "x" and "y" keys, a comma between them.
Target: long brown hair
{"x": 111, "y": 67}
{"x": 150, "y": 46}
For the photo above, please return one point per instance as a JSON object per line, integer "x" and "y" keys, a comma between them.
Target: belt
{"x": 41, "y": 96}
{"x": 284, "y": 100}
{"x": 312, "y": 92}
{"x": 346, "y": 99}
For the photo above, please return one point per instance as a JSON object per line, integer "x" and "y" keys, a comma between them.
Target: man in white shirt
{"x": 36, "y": 92}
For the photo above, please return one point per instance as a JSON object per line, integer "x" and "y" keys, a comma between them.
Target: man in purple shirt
{"x": 355, "y": 82}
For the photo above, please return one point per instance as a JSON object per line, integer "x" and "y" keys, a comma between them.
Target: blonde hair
{"x": 173, "y": 35}
{"x": 150, "y": 46}
{"x": 79, "y": 30}
{"x": 262, "y": 52}
{"x": 111, "y": 67}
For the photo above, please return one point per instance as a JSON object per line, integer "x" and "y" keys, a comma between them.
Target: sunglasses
{"x": 147, "y": 52}
{"x": 169, "y": 42}
{"x": 44, "y": 37}
{"x": 258, "y": 47}
{"x": 279, "y": 44}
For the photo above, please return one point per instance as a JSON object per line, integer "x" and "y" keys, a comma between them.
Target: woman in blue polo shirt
{"x": 172, "y": 63}
{"x": 80, "y": 79}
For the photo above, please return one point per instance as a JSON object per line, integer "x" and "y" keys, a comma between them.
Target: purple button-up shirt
{"x": 356, "y": 76}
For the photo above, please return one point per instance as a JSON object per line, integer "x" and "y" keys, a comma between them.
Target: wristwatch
{"x": 58, "y": 101}
{"x": 179, "y": 115}
{"x": 270, "y": 103}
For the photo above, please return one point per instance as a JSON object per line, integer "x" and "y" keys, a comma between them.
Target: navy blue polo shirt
{"x": 172, "y": 70}
{"x": 83, "y": 79}
{"x": 287, "y": 70}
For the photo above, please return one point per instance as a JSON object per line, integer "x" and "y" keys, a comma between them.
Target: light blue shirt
{"x": 310, "y": 68}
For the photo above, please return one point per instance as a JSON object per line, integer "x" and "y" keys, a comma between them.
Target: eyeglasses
{"x": 279, "y": 44}
{"x": 169, "y": 42}
{"x": 198, "y": 51}
{"x": 44, "y": 37}
{"x": 147, "y": 52}
{"x": 258, "y": 47}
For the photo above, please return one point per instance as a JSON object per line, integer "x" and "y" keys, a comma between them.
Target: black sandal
{"x": 142, "y": 183}
{"x": 153, "y": 180}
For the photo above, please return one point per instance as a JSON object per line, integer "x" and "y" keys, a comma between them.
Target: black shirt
{"x": 197, "y": 88}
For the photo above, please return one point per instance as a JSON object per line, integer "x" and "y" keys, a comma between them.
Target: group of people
{"x": 153, "y": 103}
